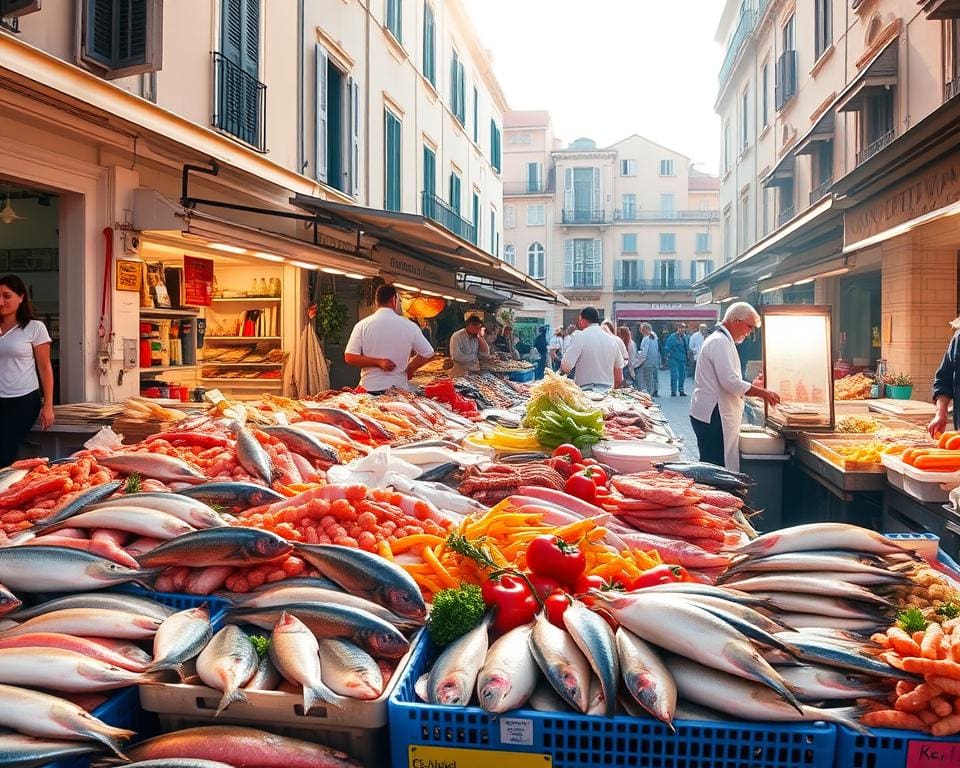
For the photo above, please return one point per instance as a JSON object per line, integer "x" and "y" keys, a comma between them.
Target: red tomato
{"x": 543, "y": 585}
{"x": 570, "y": 451}
{"x": 661, "y": 574}
{"x": 596, "y": 474}
{"x": 552, "y": 556}
{"x": 582, "y": 487}
{"x": 584, "y": 584}
{"x": 590, "y": 462}
{"x": 555, "y": 606}
{"x": 514, "y": 602}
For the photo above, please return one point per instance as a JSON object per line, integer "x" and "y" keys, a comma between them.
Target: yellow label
{"x": 444, "y": 757}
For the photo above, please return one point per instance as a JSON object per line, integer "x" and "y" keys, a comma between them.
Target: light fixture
{"x": 729, "y": 298}
{"x": 776, "y": 288}
{"x": 429, "y": 293}
{"x": 302, "y": 265}
{"x": 354, "y": 275}
{"x": 268, "y": 256}
{"x": 8, "y": 215}
{"x": 228, "y": 248}
{"x": 331, "y": 270}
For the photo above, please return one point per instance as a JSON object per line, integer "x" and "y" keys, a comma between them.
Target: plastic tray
{"x": 523, "y": 376}
{"x": 923, "y": 486}
{"x": 581, "y": 740}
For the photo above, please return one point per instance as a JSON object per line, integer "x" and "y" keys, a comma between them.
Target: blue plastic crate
{"x": 176, "y": 599}
{"x": 885, "y": 748}
{"x": 582, "y": 741}
{"x": 523, "y": 377}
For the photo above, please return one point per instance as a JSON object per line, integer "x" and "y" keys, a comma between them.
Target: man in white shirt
{"x": 382, "y": 345}
{"x": 716, "y": 408}
{"x": 594, "y": 353}
{"x": 467, "y": 346}
{"x": 694, "y": 344}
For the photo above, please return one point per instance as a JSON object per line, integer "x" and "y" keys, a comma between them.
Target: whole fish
{"x": 720, "y": 592}
{"x": 300, "y": 581}
{"x": 646, "y": 676}
{"x": 111, "y": 600}
{"x": 843, "y": 608}
{"x": 282, "y": 595}
{"x": 376, "y": 431}
{"x": 847, "y": 562}
{"x": 709, "y": 474}
{"x": 266, "y": 678}
{"x": 11, "y": 476}
{"x": 303, "y": 442}
{"x": 814, "y": 682}
{"x": 227, "y": 663}
{"x": 595, "y": 638}
{"x": 745, "y": 612}
{"x": 341, "y": 419}
{"x": 296, "y": 655}
{"x": 748, "y": 700}
{"x": 191, "y": 511}
{"x": 156, "y": 466}
{"x": 789, "y": 582}
{"x": 690, "y": 630}
{"x": 9, "y": 602}
{"x": 89, "y": 621}
{"x": 509, "y": 673}
{"x": 141, "y": 521}
{"x": 748, "y": 622}
{"x": 61, "y": 569}
{"x": 453, "y": 676}
{"x": 252, "y": 456}
{"x": 367, "y": 575}
{"x": 562, "y": 662}
{"x": 546, "y": 699}
{"x": 874, "y": 579}
{"x": 349, "y": 670}
{"x": 126, "y": 648}
{"x": 91, "y": 495}
{"x": 822, "y": 650}
{"x": 218, "y": 546}
{"x": 596, "y": 700}
{"x": 801, "y": 621}
{"x": 332, "y": 621}
{"x": 178, "y": 762}
{"x": 819, "y": 536}
{"x": 241, "y": 747}
{"x": 17, "y": 751}
{"x": 62, "y": 670}
{"x": 181, "y": 637}
{"x": 84, "y": 645}
{"x": 438, "y": 494}
{"x": 232, "y": 496}
{"x": 438, "y": 473}
{"x": 49, "y": 717}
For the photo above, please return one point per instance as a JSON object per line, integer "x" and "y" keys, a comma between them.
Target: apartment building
{"x": 836, "y": 161}
{"x": 328, "y": 113}
{"x": 627, "y": 228}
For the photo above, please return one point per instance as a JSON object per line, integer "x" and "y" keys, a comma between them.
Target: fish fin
{"x": 314, "y": 695}
{"x": 229, "y": 697}
{"x": 111, "y": 740}
{"x": 849, "y": 716}
{"x": 158, "y": 675}
{"x": 147, "y": 577}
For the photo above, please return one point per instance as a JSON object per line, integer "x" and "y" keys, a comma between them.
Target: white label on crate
{"x": 515, "y": 730}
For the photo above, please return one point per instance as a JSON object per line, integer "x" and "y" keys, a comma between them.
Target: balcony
{"x": 871, "y": 149}
{"x": 652, "y": 285}
{"x": 241, "y": 103}
{"x": 821, "y": 191}
{"x": 785, "y": 86}
{"x": 585, "y": 216}
{"x": 436, "y": 209}
{"x": 748, "y": 20}
{"x": 584, "y": 282}
{"x": 542, "y": 186}
{"x": 629, "y": 214}
{"x": 785, "y": 215}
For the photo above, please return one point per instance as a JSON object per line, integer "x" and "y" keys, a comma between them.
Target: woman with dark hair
{"x": 24, "y": 368}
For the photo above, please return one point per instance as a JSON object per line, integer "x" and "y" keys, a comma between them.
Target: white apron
{"x": 731, "y": 411}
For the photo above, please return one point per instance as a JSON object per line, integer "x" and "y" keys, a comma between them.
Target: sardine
{"x": 509, "y": 674}
{"x": 296, "y": 655}
{"x": 232, "y": 496}
{"x": 367, "y": 575}
{"x": 266, "y": 678}
{"x": 646, "y": 677}
{"x": 18, "y": 751}
{"x": 87, "y": 622}
{"x": 822, "y": 605}
{"x": 227, "y": 663}
{"x": 191, "y": 511}
{"x": 92, "y": 495}
{"x": 62, "y": 569}
{"x": 111, "y": 600}
{"x": 282, "y": 595}
{"x": 562, "y": 662}
{"x": 303, "y": 442}
{"x": 453, "y": 676}
{"x": 157, "y": 466}
{"x": 813, "y": 683}
{"x": 62, "y": 670}
{"x": 218, "y": 546}
{"x": 252, "y": 456}
{"x": 819, "y": 536}
{"x": 789, "y": 582}
{"x": 181, "y": 637}
{"x": 822, "y": 651}
{"x": 340, "y": 418}
{"x": 140, "y": 521}
{"x": 349, "y": 670}
{"x": 595, "y": 638}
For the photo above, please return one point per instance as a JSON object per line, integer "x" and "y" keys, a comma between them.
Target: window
{"x": 429, "y": 173}
{"x": 583, "y": 263}
{"x": 582, "y": 195}
{"x": 786, "y": 75}
{"x": 727, "y": 251}
{"x": 520, "y": 138}
{"x": 630, "y": 207}
{"x": 240, "y": 96}
{"x": 703, "y": 243}
{"x": 123, "y": 37}
{"x": 822, "y": 27}
{"x": 476, "y": 217}
{"x": 536, "y": 215}
{"x": 429, "y": 45}
{"x": 786, "y": 202}
{"x": 536, "y": 261}
{"x": 666, "y": 205}
{"x": 494, "y": 235}
{"x": 510, "y": 254}
{"x": 876, "y": 121}
{"x": 743, "y": 222}
{"x": 628, "y": 243}
{"x": 458, "y": 94}
{"x": 668, "y": 243}
{"x": 699, "y": 269}
{"x": 337, "y": 130}
{"x": 628, "y": 167}
{"x": 534, "y": 177}
{"x": 726, "y": 145}
{"x": 628, "y": 275}
{"x": 667, "y": 168}
{"x": 455, "y": 193}
{"x": 391, "y": 164}
{"x": 790, "y": 34}
{"x": 509, "y": 216}
{"x": 395, "y": 18}
{"x": 823, "y": 170}
{"x": 765, "y": 212}
{"x": 745, "y": 119}
{"x": 495, "y": 157}
{"x": 666, "y": 273}
{"x": 476, "y": 115}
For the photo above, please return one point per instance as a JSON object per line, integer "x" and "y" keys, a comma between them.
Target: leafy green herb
{"x": 133, "y": 483}
{"x": 912, "y": 621}
{"x": 472, "y": 549}
{"x": 455, "y": 612}
{"x": 949, "y": 610}
{"x": 261, "y": 643}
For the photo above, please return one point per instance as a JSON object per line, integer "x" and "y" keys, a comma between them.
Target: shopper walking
{"x": 540, "y": 344}
{"x": 629, "y": 371}
{"x": 649, "y": 357}
{"x": 467, "y": 346}
{"x": 716, "y": 408}
{"x": 26, "y": 374}
{"x": 595, "y": 353}
{"x": 675, "y": 349}
{"x": 554, "y": 348}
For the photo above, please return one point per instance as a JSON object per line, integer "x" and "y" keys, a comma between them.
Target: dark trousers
{"x": 710, "y": 438}
{"x": 541, "y": 367}
{"x": 17, "y": 416}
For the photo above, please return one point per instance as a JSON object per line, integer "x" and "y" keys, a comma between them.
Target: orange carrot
{"x": 932, "y": 667}
{"x": 930, "y": 641}
{"x": 902, "y": 642}
{"x": 927, "y": 716}
{"x": 891, "y": 718}
{"x": 945, "y": 684}
{"x": 941, "y": 706}
{"x": 904, "y": 686}
{"x": 881, "y": 639}
{"x": 917, "y": 699}
{"x": 946, "y": 727}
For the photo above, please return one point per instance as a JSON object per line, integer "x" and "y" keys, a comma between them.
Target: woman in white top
{"x": 24, "y": 353}
{"x": 629, "y": 370}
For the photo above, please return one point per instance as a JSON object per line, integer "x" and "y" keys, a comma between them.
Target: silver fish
{"x": 232, "y": 496}
{"x": 303, "y": 442}
{"x": 282, "y": 595}
{"x": 546, "y": 699}
{"x": 266, "y": 678}
{"x": 509, "y": 674}
{"x": 252, "y": 456}
{"x": 817, "y": 621}
{"x": 87, "y": 622}
{"x": 43, "y": 568}
{"x": 17, "y": 751}
{"x": 595, "y": 638}
{"x": 816, "y": 560}
{"x": 813, "y": 683}
{"x": 822, "y": 650}
{"x": 227, "y": 663}
{"x": 62, "y": 670}
{"x": 110, "y": 600}
{"x": 453, "y": 676}
{"x": 92, "y": 495}
{"x": 296, "y": 655}
{"x": 867, "y": 579}
{"x": 157, "y": 466}
{"x": 562, "y": 662}
{"x": 720, "y": 592}
{"x": 804, "y": 584}
{"x": 799, "y": 602}
{"x": 218, "y": 546}
{"x": 349, "y": 670}
{"x": 192, "y": 511}
{"x": 300, "y": 581}
{"x": 820, "y": 536}
{"x": 596, "y": 700}
{"x": 441, "y": 496}
{"x": 647, "y": 678}
{"x": 141, "y": 521}
{"x": 181, "y": 637}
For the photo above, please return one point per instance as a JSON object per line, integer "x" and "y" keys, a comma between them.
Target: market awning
{"x": 424, "y": 238}
{"x": 488, "y": 294}
{"x": 880, "y": 72}
{"x": 782, "y": 172}
{"x": 823, "y": 130}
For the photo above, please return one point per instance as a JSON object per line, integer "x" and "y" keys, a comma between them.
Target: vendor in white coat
{"x": 716, "y": 408}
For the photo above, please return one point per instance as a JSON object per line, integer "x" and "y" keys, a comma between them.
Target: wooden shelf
{"x": 168, "y": 368}
{"x": 162, "y": 313}
{"x": 278, "y": 382}
{"x": 209, "y": 363}
{"x": 259, "y": 299}
{"x": 241, "y": 339}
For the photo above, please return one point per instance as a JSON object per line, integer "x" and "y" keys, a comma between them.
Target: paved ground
{"x": 677, "y": 410}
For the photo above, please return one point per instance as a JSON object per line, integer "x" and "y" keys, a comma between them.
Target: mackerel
{"x": 89, "y": 621}
{"x": 562, "y": 662}
{"x": 62, "y": 670}
{"x": 218, "y": 546}
{"x": 509, "y": 673}
{"x": 281, "y": 595}
{"x": 647, "y": 678}
{"x": 156, "y": 466}
{"x": 232, "y": 496}
{"x": 810, "y": 586}
{"x": 814, "y": 682}
{"x": 595, "y": 638}
{"x": 91, "y": 495}
{"x": 823, "y": 651}
{"x": 137, "y": 520}
{"x": 304, "y": 443}
{"x": 252, "y": 456}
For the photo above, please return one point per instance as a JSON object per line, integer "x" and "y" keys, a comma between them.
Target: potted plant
{"x": 899, "y": 386}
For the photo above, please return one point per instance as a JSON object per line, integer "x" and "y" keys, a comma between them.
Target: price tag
{"x": 517, "y": 731}
{"x": 933, "y": 754}
{"x": 444, "y": 757}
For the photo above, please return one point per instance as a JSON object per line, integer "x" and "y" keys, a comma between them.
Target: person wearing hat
{"x": 946, "y": 385}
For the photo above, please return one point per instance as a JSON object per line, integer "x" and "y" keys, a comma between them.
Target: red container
{"x": 145, "y": 353}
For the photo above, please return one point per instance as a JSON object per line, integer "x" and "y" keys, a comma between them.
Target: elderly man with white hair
{"x": 716, "y": 408}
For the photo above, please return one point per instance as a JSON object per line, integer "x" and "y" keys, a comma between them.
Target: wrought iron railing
{"x": 748, "y": 20}
{"x": 629, "y": 214}
{"x": 583, "y": 216}
{"x": 785, "y": 215}
{"x": 652, "y": 285}
{"x": 875, "y": 146}
{"x": 820, "y": 191}
{"x": 583, "y": 281}
{"x": 241, "y": 103}
{"x": 436, "y": 209}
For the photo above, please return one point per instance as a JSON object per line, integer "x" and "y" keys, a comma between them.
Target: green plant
{"x": 331, "y": 318}
{"x": 506, "y": 317}
{"x": 898, "y": 380}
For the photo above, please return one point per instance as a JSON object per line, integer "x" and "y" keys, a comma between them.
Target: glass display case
{"x": 797, "y": 365}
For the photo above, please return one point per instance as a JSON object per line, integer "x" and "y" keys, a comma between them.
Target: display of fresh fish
{"x": 332, "y": 621}
{"x": 115, "y": 600}
{"x": 821, "y": 536}
{"x": 84, "y": 645}
{"x": 709, "y": 474}
{"x": 181, "y": 637}
{"x": 227, "y": 664}
{"x": 768, "y": 624}
{"x": 438, "y": 494}
{"x": 11, "y": 476}
{"x": 241, "y": 747}
{"x": 595, "y": 638}
{"x": 748, "y": 700}
{"x": 646, "y": 676}
{"x": 87, "y": 622}
{"x": 266, "y": 678}
{"x": 50, "y": 717}
{"x": 453, "y": 676}
{"x": 191, "y": 511}
{"x": 91, "y": 495}
{"x": 9, "y": 602}
{"x": 296, "y": 655}
{"x": 18, "y": 751}
{"x": 61, "y": 569}
{"x": 367, "y": 575}
{"x": 252, "y": 456}
{"x": 821, "y": 650}
{"x": 138, "y": 520}
{"x": 232, "y": 496}
{"x": 349, "y": 670}
{"x": 218, "y": 546}
{"x": 341, "y": 419}
{"x": 709, "y": 590}
{"x": 562, "y": 662}
{"x": 823, "y": 605}
{"x": 303, "y": 442}
{"x": 62, "y": 670}
{"x": 509, "y": 673}
{"x": 790, "y": 582}
{"x": 751, "y": 624}
{"x": 157, "y": 466}
{"x": 281, "y": 595}
{"x": 813, "y": 682}
{"x": 815, "y": 560}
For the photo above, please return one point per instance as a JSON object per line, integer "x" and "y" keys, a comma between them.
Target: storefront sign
{"x": 129, "y": 275}
{"x": 197, "y": 281}
{"x": 583, "y": 299}
{"x": 409, "y": 269}
{"x": 918, "y": 195}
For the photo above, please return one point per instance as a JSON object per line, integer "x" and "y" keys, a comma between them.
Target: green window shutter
{"x": 119, "y": 36}
{"x": 320, "y": 155}
{"x": 392, "y": 165}
{"x": 455, "y": 192}
{"x": 453, "y": 82}
{"x": 476, "y": 218}
{"x": 354, "y": 90}
{"x": 99, "y": 47}
{"x": 429, "y": 172}
{"x": 395, "y": 18}
{"x": 568, "y": 257}
{"x": 429, "y": 45}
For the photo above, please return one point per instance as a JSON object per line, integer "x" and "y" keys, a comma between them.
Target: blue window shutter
{"x": 453, "y": 82}
{"x": 476, "y": 218}
{"x": 429, "y": 44}
{"x": 598, "y": 261}
{"x": 597, "y": 192}
{"x": 320, "y": 155}
{"x": 392, "y": 164}
{"x": 693, "y": 271}
{"x": 568, "y": 189}
{"x": 568, "y": 263}
{"x": 639, "y": 269}
{"x": 709, "y": 266}
{"x": 658, "y": 273}
{"x": 354, "y": 90}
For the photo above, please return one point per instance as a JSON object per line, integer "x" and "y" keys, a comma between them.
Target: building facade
{"x": 627, "y": 228}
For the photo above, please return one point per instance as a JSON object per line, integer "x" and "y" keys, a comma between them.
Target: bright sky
{"x": 609, "y": 68}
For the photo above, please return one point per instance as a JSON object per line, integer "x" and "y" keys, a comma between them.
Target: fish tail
{"x": 757, "y": 668}
{"x": 111, "y": 737}
{"x": 147, "y": 577}
{"x": 314, "y": 695}
{"x": 848, "y": 716}
{"x": 155, "y": 673}
{"x": 229, "y": 697}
